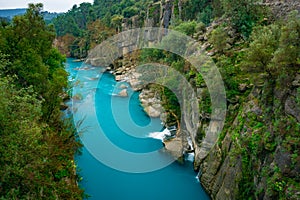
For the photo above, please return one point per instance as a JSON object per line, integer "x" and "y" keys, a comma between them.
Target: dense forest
{"x": 255, "y": 45}
{"x": 37, "y": 148}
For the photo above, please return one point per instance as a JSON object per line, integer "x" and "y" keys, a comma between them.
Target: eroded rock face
{"x": 223, "y": 169}
{"x": 281, "y": 8}
{"x": 219, "y": 175}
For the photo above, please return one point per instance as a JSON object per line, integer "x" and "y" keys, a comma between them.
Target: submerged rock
{"x": 123, "y": 93}
{"x": 123, "y": 86}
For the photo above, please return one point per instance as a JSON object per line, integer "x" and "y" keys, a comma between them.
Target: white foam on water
{"x": 189, "y": 140}
{"x": 160, "y": 135}
{"x": 190, "y": 157}
{"x": 197, "y": 177}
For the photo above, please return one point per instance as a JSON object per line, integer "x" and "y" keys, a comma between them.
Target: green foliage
{"x": 37, "y": 148}
{"x": 129, "y": 12}
{"x": 116, "y": 21}
{"x": 175, "y": 42}
{"x": 34, "y": 61}
{"x": 178, "y": 65}
{"x": 275, "y": 48}
{"x": 288, "y": 52}
{"x": 205, "y": 103}
{"x": 151, "y": 55}
{"x": 200, "y": 27}
{"x": 187, "y": 28}
{"x": 261, "y": 50}
{"x": 30, "y": 149}
{"x": 85, "y": 26}
{"x": 230, "y": 73}
{"x": 197, "y": 9}
{"x": 206, "y": 15}
{"x": 243, "y": 14}
{"x": 217, "y": 8}
{"x": 170, "y": 103}
{"x": 219, "y": 39}
{"x": 75, "y": 21}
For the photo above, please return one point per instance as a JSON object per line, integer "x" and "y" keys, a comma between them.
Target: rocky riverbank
{"x": 124, "y": 70}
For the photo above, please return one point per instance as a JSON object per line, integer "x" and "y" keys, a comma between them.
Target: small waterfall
{"x": 160, "y": 135}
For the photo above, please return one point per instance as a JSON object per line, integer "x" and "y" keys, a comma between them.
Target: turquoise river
{"x": 100, "y": 181}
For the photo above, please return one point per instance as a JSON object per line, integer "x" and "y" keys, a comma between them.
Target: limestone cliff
{"x": 228, "y": 168}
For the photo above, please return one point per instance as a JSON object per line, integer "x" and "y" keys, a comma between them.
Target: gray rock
{"x": 152, "y": 112}
{"x": 296, "y": 82}
{"x": 292, "y": 108}
{"x": 174, "y": 147}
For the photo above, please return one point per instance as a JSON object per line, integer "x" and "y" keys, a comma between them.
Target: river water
{"x": 103, "y": 182}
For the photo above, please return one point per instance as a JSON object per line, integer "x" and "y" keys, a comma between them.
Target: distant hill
{"x": 10, "y": 13}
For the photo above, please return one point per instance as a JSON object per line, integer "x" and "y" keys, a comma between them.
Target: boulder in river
{"x": 174, "y": 147}
{"x": 123, "y": 93}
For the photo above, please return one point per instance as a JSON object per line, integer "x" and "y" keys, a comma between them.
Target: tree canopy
{"x": 36, "y": 146}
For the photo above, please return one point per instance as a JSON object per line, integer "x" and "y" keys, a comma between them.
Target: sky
{"x": 49, "y": 5}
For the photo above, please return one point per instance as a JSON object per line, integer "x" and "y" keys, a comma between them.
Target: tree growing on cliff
{"x": 188, "y": 28}
{"x": 243, "y": 14}
{"x": 265, "y": 41}
{"x": 219, "y": 39}
{"x": 116, "y": 22}
{"x": 275, "y": 49}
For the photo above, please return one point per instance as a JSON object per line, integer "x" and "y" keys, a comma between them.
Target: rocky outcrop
{"x": 166, "y": 13}
{"x": 235, "y": 164}
{"x": 151, "y": 102}
{"x": 293, "y": 100}
{"x": 219, "y": 175}
{"x": 175, "y": 147}
{"x": 283, "y": 7}
{"x": 158, "y": 14}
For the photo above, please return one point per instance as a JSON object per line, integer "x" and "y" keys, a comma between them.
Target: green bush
{"x": 219, "y": 39}
{"x": 188, "y": 28}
